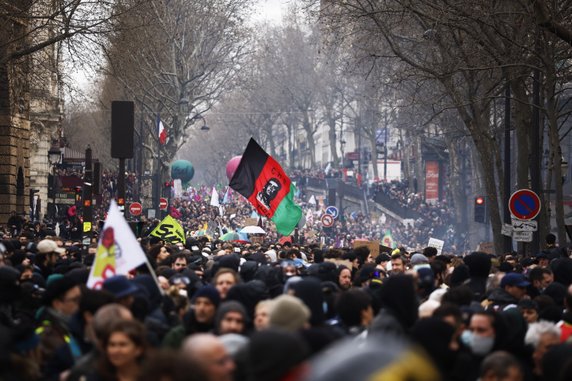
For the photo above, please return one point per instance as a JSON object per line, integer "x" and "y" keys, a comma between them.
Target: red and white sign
{"x": 163, "y": 203}
{"x": 431, "y": 182}
{"x": 327, "y": 220}
{"x": 135, "y": 209}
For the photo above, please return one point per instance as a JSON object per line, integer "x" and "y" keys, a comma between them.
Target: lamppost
{"x": 342, "y": 146}
{"x": 54, "y": 158}
{"x": 563, "y": 169}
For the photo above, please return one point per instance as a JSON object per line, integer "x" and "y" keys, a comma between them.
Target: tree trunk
{"x": 406, "y": 160}
{"x": 290, "y": 146}
{"x": 556, "y": 152}
{"x": 310, "y": 136}
{"x": 332, "y": 137}
{"x": 419, "y": 172}
{"x": 374, "y": 157}
{"x": 485, "y": 149}
{"x": 456, "y": 180}
{"x": 522, "y": 121}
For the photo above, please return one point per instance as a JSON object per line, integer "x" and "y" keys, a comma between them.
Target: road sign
{"x": 524, "y": 225}
{"x": 163, "y": 203}
{"x": 332, "y": 211}
{"x": 522, "y": 236}
{"x": 327, "y": 220}
{"x": 135, "y": 209}
{"x": 524, "y": 204}
{"x": 506, "y": 230}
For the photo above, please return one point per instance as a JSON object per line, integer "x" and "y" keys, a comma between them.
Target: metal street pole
{"x": 507, "y": 169}
{"x": 87, "y": 227}
{"x": 536, "y": 138}
{"x": 54, "y": 191}
{"x": 121, "y": 185}
{"x": 384, "y": 155}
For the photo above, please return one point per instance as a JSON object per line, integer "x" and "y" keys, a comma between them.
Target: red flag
{"x": 161, "y": 131}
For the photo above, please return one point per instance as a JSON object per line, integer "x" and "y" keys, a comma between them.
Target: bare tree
{"x": 176, "y": 59}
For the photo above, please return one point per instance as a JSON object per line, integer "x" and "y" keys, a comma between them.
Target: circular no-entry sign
{"x": 135, "y": 209}
{"x": 163, "y": 203}
{"x": 327, "y": 220}
{"x": 524, "y": 204}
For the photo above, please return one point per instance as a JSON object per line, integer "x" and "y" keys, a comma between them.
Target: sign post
{"x": 524, "y": 205}
{"x": 163, "y": 203}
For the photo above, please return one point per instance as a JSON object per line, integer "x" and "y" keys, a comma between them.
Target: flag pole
{"x": 152, "y": 272}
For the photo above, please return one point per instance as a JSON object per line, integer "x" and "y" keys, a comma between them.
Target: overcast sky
{"x": 270, "y": 10}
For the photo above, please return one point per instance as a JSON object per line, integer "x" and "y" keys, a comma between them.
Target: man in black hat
{"x": 199, "y": 319}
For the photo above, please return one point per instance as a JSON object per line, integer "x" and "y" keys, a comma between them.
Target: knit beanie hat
{"x": 288, "y": 312}
{"x": 209, "y": 292}
{"x": 229, "y": 306}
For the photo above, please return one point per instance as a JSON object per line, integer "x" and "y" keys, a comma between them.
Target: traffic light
{"x": 480, "y": 209}
{"x": 78, "y": 195}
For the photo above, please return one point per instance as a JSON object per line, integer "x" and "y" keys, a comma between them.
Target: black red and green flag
{"x": 264, "y": 183}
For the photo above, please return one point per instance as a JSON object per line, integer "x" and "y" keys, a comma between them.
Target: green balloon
{"x": 182, "y": 169}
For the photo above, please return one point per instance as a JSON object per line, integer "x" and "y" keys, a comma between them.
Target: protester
{"x": 460, "y": 307}
{"x": 125, "y": 349}
{"x": 501, "y": 366}
{"x": 58, "y": 347}
{"x": 210, "y": 356}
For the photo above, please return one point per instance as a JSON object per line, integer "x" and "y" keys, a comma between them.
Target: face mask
{"x": 466, "y": 337}
{"x": 481, "y": 345}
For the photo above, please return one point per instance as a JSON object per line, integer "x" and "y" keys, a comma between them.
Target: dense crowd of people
{"x": 433, "y": 221}
{"x": 311, "y": 307}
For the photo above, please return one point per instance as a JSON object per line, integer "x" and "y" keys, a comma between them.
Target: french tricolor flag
{"x": 161, "y": 131}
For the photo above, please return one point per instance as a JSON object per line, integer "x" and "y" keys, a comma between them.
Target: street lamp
{"x": 54, "y": 158}
{"x": 563, "y": 169}
{"x": 204, "y": 127}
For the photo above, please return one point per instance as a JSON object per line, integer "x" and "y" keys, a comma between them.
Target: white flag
{"x": 214, "y": 198}
{"x": 312, "y": 200}
{"x": 178, "y": 188}
{"x": 226, "y": 198}
{"x": 118, "y": 251}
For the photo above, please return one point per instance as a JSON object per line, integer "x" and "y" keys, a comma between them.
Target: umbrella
{"x": 230, "y": 236}
{"x": 253, "y": 229}
{"x": 234, "y": 236}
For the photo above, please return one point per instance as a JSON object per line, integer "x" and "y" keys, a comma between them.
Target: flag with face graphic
{"x": 263, "y": 182}
{"x": 118, "y": 251}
